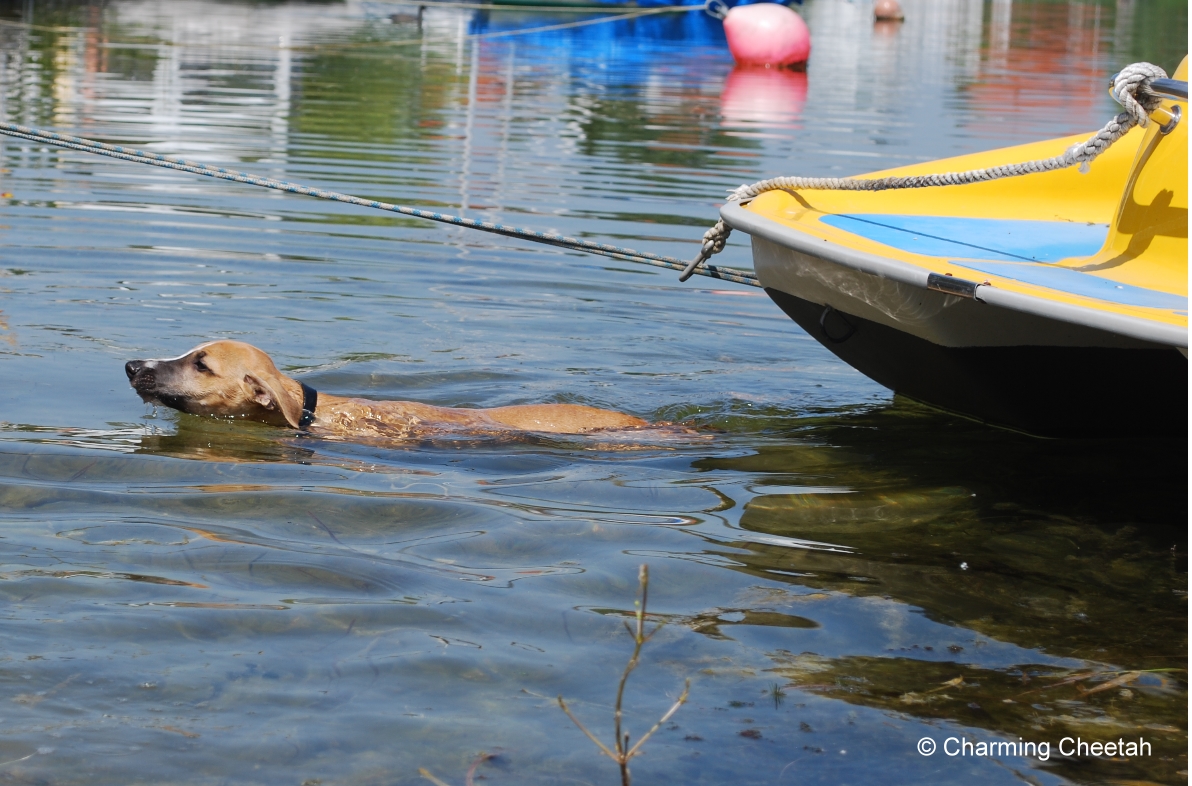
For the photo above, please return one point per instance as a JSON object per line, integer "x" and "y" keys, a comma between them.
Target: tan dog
{"x": 234, "y": 379}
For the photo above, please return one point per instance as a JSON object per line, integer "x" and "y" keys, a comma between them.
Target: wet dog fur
{"x": 236, "y": 380}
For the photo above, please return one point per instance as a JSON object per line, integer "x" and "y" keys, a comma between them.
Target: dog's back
{"x": 233, "y": 379}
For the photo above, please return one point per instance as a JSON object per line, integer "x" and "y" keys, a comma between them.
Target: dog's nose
{"x": 132, "y": 367}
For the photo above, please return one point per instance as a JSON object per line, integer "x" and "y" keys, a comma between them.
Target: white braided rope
{"x": 1130, "y": 89}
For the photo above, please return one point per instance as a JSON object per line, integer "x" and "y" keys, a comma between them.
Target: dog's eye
{"x": 201, "y": 366}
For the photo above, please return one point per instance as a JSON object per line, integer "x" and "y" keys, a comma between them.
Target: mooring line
{"x": 622, "y": 14}
{"x": 547, "y": 9}
{"x": 490, "y": 35}
{"x": 1130, "y": 87}
{"x": 735, "y": 275}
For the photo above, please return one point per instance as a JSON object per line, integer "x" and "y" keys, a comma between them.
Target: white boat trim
{"x": 737, "y": 217}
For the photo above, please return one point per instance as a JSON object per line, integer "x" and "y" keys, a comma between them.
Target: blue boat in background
{"x": 570, "y": 4}
{"x": 692, "y": 27}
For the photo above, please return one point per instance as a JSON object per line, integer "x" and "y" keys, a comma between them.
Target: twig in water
{"x": 468, "y": 779}
{"x": 481, "y": 759}
{"x": 426, "y": 774}
{"x": 621, "y": 752}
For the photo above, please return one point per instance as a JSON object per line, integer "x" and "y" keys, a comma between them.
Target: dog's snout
{"x": 141, "y": 372}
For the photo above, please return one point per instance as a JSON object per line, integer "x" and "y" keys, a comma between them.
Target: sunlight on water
{"x": 195, "y": 601}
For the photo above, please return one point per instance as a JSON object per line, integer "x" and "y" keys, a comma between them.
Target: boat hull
{"x": 1041, "y": 389}
{"x": 785, "y": 262}
{"x": 1055, "y": 303}
{"x": 1000, "y": 365}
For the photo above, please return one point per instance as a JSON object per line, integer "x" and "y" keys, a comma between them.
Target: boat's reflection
{"x": 1077, "y": 548}
{"x": 964, "y": 523}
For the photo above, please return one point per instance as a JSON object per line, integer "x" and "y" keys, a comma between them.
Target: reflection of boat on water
{"x": 1054, "y": 303}
{"x": 1029, "y": 574}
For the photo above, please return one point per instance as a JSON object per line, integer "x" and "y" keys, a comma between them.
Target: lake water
{"x": 200, "y": 602}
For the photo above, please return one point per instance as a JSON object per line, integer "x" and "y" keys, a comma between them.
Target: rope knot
{"x": 1131, "y": 89}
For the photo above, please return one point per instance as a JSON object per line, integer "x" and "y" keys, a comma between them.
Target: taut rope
{"x": 197, "y": 168}
{"x": 1129, "y": 89}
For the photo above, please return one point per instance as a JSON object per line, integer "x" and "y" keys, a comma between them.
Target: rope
{"x": 544, "y": 8}
{"x": 1130, "y": 89}
{"x": 182, "y": 165}
{"x": 625, "y": 14}
{"x": 631, "y": 14}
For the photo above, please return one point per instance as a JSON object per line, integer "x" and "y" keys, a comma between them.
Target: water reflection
{"x": 763, "y": 97}
{"x": 934, "y": 584}
{"x": 992, "y": 549}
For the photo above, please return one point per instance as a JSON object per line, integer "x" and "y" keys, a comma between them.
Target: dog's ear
{"x": 271, "y": 395}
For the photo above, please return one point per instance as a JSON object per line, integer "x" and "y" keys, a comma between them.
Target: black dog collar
{"x": 310, "y": 400}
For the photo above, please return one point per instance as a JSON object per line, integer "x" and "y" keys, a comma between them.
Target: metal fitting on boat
{"x": 1167, "y": 119}
{"x": 849, "y": 327}
{"x": 1170, "y": 88}
{"x": 950, "y": 285}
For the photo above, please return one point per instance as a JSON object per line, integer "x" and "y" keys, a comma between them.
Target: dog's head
{"x": 222, "y": 378}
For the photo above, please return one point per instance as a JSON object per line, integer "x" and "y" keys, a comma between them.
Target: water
{"x": 193, "y": 601}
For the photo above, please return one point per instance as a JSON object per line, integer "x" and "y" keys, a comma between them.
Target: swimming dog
{"x": 236, "y": 380}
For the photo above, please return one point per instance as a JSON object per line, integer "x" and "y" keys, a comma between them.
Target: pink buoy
{"x": 888, "y": 11}
{"x": 767, "y": 34}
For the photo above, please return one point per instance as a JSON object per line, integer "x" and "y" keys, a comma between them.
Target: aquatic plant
{"x": 777, "y": 694}
{"x": 468, "y": 779}
{"x": 621, "y": 752}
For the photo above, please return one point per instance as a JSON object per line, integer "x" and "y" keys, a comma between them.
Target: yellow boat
{"x": 1054, "y": 303}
